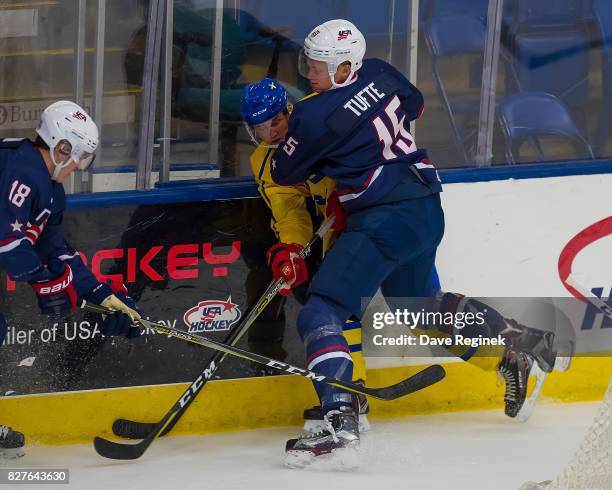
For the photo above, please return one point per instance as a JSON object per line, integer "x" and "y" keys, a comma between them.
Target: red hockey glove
{"x": 334, "y": 207}
{"x": 54, "y": 289}
{"x": 286, "y": 264}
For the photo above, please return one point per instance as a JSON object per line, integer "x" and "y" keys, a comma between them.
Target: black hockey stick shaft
{"x": 114, "y": 450}
{"x": 387, "y": 393}
{"x": 150, "y": 432}
{"x": 140, "y": 430}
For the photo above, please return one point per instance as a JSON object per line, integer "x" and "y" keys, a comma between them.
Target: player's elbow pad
{"x": 21, "y": 264}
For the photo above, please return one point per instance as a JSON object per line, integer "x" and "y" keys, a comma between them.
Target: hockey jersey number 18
{"x": 31, "y": 212}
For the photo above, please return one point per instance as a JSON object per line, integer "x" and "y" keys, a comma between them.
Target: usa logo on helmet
{"x": 80, "y": 116}
{"x": 344, "y": 34}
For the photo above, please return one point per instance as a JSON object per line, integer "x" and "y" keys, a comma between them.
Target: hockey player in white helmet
{"x": 355, "y": 131}
{"x": 70, "y": 136}
{"x": 332, "y": 54}
{"x": 32, "y": 247}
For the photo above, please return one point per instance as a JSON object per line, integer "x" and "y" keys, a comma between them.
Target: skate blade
{"x": 565, "y": 353}
{"x": 535, "y": 486}
{"x": 562, "y": 363}
{"x": 364, "y": 423}
{"x": 316, "y": 425}
{"x": 12, "y": 453}
{"x": 341, "y": 459}
{"x": 528, "y": 406}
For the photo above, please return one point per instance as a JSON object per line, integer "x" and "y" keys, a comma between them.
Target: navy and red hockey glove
{"x": 54, "y": 289}
{"x": 286, "y": 264}
{"x": 114, "y": 295}
{"x": 334, "y": 207}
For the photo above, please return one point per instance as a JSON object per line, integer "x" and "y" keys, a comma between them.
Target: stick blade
{"x": 130, "y": 429}
{"x": 427, "y": 377}
{"x": 115, "y": 450}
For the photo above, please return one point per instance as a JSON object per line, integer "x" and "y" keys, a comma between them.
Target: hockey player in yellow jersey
{"x": 265, "y": 109}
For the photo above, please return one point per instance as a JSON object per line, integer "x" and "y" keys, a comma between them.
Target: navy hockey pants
{"x": 390, "y": 246}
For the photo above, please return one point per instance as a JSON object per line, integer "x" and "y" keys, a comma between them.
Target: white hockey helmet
{"x": 334, "y": 42}
{"x": 67, "y": 124}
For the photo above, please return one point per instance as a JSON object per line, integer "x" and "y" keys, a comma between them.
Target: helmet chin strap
{"x": 350, "y": 79}
{"x": 58, "y": 166}
{"x": 56, "y": 172}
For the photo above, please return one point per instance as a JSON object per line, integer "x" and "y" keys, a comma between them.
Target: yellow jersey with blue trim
{"x": 291, "y": 221}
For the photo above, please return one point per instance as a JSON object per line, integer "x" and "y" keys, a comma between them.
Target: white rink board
{"x": 503, "y": 238}
{"x": 126, "y": 181}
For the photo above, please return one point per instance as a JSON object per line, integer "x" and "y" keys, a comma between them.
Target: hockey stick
{"x": 151, "y": 431}
{"x": 598, "y": 303}
{"x": 140, "y": 430}
{"x": 386, "y": 393}
{"x": 424, "y": 378}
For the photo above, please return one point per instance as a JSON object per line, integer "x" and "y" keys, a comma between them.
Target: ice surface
{"x": 464, "y": 451}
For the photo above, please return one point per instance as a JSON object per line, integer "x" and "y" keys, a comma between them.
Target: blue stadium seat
{"x": 553, "y": 62}
{"x": 603, "y": 15}
{"x": 470, "y": 8}
{"x": 530, "y": 116}
{"x": 548, "y": 14}
{"x": 448, "y": 36}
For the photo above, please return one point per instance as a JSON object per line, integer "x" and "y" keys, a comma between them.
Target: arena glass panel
{"x": 38, "y": 60}
{"x": 262, "y": 38}
{"x": 259, "y": 38}
{"x": 554, "y": 92}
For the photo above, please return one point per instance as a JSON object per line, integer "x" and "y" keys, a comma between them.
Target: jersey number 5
{"x": 398, "y": 137}
{"x": 289, "y": 146}
{"x": 19, "y": 193}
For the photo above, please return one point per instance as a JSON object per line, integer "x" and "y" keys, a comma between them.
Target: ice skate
{"x": 524, "y": 367}
{"x": 11, "y": 443}
{"x": 334, "y": 447}
{"x": 313, "y": 417}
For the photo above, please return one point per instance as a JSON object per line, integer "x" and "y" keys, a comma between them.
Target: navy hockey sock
{"x": 327, "y": 351}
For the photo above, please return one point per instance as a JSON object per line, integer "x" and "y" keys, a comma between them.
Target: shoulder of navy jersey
{"x": 19, "y": 159}
{"x": 31, "y": 217}
{"x": 26, "y": 195}
{"x": 341, "y": 110}
{"x": 358, "y": 135}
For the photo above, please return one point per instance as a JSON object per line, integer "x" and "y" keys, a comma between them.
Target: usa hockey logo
{"x": 80, "y": 116}
{"x": 344, "y": 34}
{"x": 212, "y": 316}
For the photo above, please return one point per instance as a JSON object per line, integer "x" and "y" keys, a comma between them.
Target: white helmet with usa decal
{"x": 66, "y": 126}
{"x": 334, "y": 42}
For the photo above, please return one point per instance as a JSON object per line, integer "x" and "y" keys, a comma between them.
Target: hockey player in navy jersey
{"x": 32, "y": 248}
{"x": 265, "y": 110}
{"x": 354, "y": 130}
